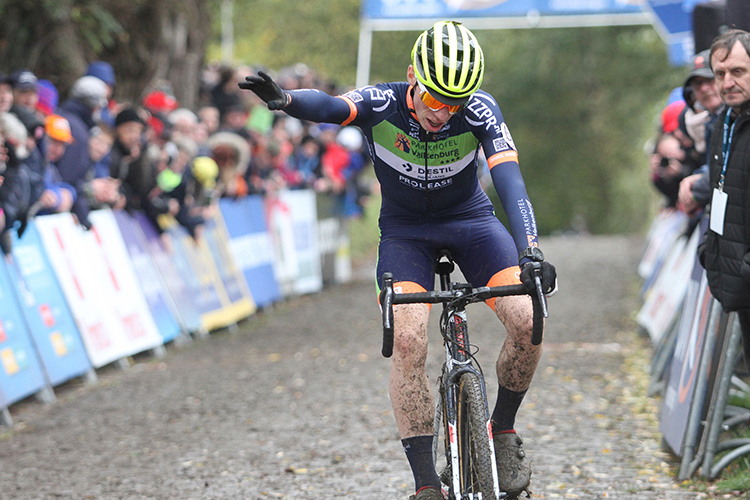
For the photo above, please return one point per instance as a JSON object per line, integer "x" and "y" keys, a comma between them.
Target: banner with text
{"x": 50, "y": 321}
{"x": 454, "y": 9}
{"x": 85, "y": 279}
{"x": 178, "y": 280}
{"x": 251, "y": 246}
{"x": 20, "y": 370}
{"x": 152, "y": 284}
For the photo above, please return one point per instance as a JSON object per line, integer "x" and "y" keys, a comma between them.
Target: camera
{"x": 664, "y": 163}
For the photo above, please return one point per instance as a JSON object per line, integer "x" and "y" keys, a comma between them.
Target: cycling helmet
{"x": 448, "y": 60}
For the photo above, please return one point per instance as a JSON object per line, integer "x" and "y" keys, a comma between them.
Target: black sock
{"x": 504, "y": 415}
{"x": 418, "y": 451}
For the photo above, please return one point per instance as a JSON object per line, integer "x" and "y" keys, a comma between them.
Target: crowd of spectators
{"x": 679, "y": 160}
{"x": 90, "y": 149}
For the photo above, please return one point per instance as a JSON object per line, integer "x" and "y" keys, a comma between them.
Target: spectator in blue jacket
{"x": 87, "y": 97}
{"x": 106, "y": 73}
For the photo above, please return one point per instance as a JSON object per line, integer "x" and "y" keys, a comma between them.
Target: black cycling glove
{"x": 265, "y": 88}
{"x": 533, "y": 264}
{"x": 547, "y": 273}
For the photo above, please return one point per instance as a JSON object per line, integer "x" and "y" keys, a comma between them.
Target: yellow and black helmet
{"x": 448, "y": 61}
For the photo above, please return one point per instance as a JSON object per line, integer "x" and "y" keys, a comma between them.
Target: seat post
{"x": 444, "y": 267}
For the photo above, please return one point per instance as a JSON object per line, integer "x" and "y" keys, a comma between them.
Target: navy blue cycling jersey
{"x": 429, "y": 176}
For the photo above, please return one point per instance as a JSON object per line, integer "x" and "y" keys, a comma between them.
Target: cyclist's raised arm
{"x": 484, "y": 115}
{"x": 365, "y": 106}
{"x": 314, "y": 105}
{"x": 317, "y": 106}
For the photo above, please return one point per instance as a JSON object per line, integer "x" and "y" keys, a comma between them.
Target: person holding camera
{"x": 674, "y": 155}
{"x": 667, "y": 168}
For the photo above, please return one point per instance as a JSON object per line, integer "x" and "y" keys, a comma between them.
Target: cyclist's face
{"x": 431, "y": 121}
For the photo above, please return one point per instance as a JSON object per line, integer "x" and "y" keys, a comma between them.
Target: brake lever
{"x": 386, "y": 302}
{"x": 540, "y": 295}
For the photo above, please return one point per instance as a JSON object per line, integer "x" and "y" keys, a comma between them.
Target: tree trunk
{"x": 163, "y": 46}
{"x": 149, "y": 43}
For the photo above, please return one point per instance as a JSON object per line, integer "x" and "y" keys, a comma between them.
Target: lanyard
{"x": 725, "y": 146}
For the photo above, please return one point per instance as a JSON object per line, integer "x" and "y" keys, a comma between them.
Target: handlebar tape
{"x": 538, "y": 328}
{"x": 386, "y": 303}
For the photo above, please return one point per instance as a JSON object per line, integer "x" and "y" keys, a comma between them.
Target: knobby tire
{"x": 475, "y": 459}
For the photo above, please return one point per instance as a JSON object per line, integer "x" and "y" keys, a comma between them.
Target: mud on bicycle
{"x": 462, "y": 413}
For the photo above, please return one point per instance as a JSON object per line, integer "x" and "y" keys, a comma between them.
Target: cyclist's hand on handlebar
{"x": 546, "y": 272}
{"x": 265, "y": 88}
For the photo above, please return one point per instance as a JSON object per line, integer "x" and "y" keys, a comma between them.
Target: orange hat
{"x": 58, "y": 129}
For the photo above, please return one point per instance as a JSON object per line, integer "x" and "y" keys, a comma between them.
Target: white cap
{"x": 91, "y": 91}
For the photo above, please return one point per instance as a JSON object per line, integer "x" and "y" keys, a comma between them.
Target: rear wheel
{"x": 475, "y": 461}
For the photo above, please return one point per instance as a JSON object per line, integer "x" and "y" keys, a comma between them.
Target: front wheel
{"x": 476, "y": 461}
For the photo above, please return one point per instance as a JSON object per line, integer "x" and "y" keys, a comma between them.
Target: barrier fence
{"x": 696, "y": 351}
{"x": 73, "y": 301}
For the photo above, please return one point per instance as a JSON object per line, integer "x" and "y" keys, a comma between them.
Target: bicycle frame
{"x": 458, "y": 360}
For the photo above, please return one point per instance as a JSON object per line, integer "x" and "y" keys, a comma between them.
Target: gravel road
{"x": 294, "y": 405}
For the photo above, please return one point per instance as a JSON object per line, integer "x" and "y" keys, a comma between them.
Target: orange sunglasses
{"x": 434, "y": 104}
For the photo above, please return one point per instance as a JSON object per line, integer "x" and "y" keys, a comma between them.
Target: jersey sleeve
{"x": 486, "y": 120}
{"x": 365, "y": 106}
{"x": 317, "y": 106}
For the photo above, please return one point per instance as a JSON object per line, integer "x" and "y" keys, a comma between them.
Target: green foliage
{"x": 734, "y": 480}
{"x": 581, "y": 103}
{"x": 278, "y": 33}
{"x": 49, "y": 36}
{"x": 96, "y": 25}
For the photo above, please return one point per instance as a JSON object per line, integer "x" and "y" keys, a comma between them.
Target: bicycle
{"x": 462, "y": 410}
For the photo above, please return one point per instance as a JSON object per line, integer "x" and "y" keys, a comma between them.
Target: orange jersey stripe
{"x": 352, "y": 110}
{"x": 407, "y": 287}
{"x": 508, "y": 276}
{"x": 502, "y": 157}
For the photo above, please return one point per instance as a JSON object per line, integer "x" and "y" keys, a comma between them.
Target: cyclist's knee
{"x": 517, "y": 315}
{"x": 410, "y": 335}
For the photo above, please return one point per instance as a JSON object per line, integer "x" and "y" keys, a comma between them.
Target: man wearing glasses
{"x": 424, "y": 137}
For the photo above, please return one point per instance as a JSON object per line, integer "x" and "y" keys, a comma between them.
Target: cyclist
{"x": 424, "y": 137}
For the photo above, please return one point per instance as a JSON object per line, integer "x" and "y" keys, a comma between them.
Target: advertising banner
{"x": 129, "y": 302}
{"x": 683, "y": 372}
{"x": 666, "y": 227}
{"x": 196, "y": 266}
{"x": 20, "y": 370}
{"x": 251, "y": 246}
{"x": 335, "y": 251}
{"x": 673, "y": 20}
{"x": 304, "y": 218}
{"x": 180, "y": 282}
{"x": 43, "y": 304}
{"x": 89, "y": 289}
{"x": 152, "y": 285}
{"x": 281, "y": 229}
{"x": 454, "y": 9}
{"x": 663, "y": 302}
{"x": 238, "y": 304}
{"x": 334, "y": 244}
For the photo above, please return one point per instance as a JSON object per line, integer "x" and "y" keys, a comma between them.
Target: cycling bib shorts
{"x": 481, "y": 247}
